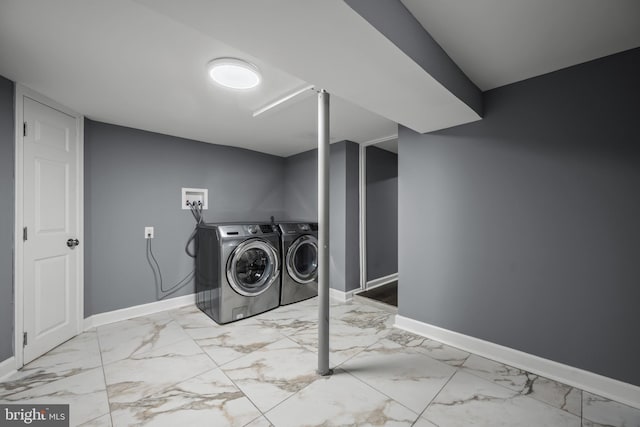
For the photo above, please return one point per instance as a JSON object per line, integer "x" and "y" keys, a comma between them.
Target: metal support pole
{"x": 323, "y": 233}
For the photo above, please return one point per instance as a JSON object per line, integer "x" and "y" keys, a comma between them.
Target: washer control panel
{"x": 231, "y": 229}
{"x": 295, "y": 228}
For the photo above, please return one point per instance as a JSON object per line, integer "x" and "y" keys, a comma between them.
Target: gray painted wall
{"x": 392, "y": 19}
{"x": 352, "y": 216}
{"x": 337, "y": 217}
{"x": 522, "y": 229}
{"x": 7, "y": 207}
{"x": 382, "y": 213}
{"x": 301, "y": 203}
{"x": 301, "y": 185}
{"x": 133, "y": 179}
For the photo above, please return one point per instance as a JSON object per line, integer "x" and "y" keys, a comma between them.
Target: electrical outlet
{"x": 148, "y": 232}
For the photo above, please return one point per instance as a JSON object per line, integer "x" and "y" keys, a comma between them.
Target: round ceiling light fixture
{"x": 234, "y": 73}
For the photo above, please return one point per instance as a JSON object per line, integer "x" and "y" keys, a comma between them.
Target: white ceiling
{"x": 141, "y": 63}
{"x": 327, "y": 43}
{"x": 389, "y": 145}
{"x": 497, "y": 42}
{"x": 120, "y": 62}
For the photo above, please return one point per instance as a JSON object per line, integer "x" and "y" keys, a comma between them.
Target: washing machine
{"x": 299, "y": 248}
{"x": 237, "y": 270}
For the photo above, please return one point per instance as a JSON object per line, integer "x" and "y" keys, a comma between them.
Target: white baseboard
{"x": 609, "y": 388}
{"x": 382, "y": 281}
{"x": 7, "y": 367}
{"x": 341, "y": 295}
{"x": 137, "y": 311}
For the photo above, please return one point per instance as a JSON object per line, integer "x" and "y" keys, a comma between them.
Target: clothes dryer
{"x": 299, "y": 248}
{"x": 237, "y": 270}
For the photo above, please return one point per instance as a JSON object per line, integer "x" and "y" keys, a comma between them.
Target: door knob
{"x": 72, "y": 243}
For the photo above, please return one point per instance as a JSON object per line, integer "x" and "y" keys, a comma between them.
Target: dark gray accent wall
{"x": 337, "y": 217}
{"x": 301, "y": 186}
{"x": 352, "y": 216}
{"x": 522, "y": 229}
{"x": 382, "y": 213}
{"x": 7, "y": 207}
{"x": 396, "y": 23}
{"x": 133, "y": 179}
{"x": 301, "y": 203}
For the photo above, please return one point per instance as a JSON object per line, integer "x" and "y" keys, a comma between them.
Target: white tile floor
{"x": 179, "y": 368}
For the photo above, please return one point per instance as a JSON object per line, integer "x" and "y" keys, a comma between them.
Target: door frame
{"x": 364, "y": 283}
{"x": 22, "y": 91}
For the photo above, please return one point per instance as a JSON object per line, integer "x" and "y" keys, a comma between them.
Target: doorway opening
{"x": 387, "y": 293}
{"x": 379, "y": 220}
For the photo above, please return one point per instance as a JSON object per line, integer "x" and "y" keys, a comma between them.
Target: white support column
{"x": 323, "y": 234}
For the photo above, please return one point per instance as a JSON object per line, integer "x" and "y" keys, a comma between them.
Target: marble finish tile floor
{"x": 180, "y": 368}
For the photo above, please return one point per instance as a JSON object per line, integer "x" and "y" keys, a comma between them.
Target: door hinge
{"x": 24, "y": 234}
{"x": 24, "y": 129}
{"x": 24, "y": 339}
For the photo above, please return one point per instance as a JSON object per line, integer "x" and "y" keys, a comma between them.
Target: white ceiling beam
{"x": 392, "y": 19}
{"x": 327, "y": 44}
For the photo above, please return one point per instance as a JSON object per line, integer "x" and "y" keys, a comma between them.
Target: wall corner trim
{"x": 341, "y": 295}
{"x": 137, "y": 311}
{"x": 7, "y": 368}
{"x": 609, "y": 388}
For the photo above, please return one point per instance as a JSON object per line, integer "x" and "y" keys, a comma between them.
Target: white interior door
{"x": 50, "y": 216}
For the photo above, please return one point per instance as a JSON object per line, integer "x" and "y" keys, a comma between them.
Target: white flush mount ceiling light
{"x": 234, "y": 73}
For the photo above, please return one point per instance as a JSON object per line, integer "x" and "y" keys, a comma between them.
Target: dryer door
{"x": 253, "y": 267}
{"x": 302, "y": 259}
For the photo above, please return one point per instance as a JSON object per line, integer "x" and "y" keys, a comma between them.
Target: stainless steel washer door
{"x": 253, "y": 267}
{"x": 302, "y": 259}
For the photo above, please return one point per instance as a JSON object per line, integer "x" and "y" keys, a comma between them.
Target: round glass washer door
{"x": 302, "y": 259}
{"x": 253, "y": 267}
